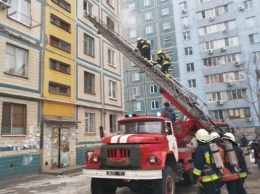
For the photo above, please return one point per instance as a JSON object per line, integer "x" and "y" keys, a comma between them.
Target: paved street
{"x": 78, "y": 184}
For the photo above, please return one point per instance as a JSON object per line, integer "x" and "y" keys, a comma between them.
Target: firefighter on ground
{"x": 235, "y": 166}
{"x": 144, "y": 47}
{"x": 164, "y": 61}
{"x": 204, "y": 167}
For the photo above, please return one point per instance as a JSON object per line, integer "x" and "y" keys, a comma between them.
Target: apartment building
{"x": 218, "y": 51}
{"x": 59, "y": 124}
{"x": 155, "y": 21}
{"x": 99, "y": 84}
{"x": 20, "y": 87}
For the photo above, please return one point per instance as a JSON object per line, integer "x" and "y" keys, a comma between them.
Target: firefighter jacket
{"x": 142, "y": 44}
{"x": 241, "y": 161}
{"x": 163, "y": 60}
{"x": 204, "y": 167}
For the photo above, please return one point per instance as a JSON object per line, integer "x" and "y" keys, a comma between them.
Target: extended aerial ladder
{"x": 184, "y": 100}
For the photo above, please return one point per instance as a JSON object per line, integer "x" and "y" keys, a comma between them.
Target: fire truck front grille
{"x": 120, "y": 156}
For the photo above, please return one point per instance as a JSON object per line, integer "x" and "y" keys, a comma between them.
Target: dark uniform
{"x": 144, "y": 48}
{"x": 165, "y": 62}
{"x": 205, "y": 169}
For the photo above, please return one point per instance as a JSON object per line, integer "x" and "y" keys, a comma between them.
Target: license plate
{"x": 115, "y": 173}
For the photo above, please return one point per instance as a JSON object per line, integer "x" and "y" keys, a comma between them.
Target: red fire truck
{"x": 151, "y": 153}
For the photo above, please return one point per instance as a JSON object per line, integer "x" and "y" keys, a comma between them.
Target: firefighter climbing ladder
{"x": 188, "y": 103}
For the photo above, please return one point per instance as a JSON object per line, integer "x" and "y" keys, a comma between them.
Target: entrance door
{"x": 60, "y": 148}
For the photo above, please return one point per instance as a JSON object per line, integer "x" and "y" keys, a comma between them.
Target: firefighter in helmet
{"x": 204, "y": 167}
{"x": 144, "y": 47}
{"x": 236, "y": 166}
{"x": 164, "y": 61}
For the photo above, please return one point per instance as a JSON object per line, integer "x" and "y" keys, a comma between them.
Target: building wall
{"x": 98, "y": 102}
{"x": 157, "y": 38}
{"x": 244, "y": 48}
{"x": 19, "y": 153}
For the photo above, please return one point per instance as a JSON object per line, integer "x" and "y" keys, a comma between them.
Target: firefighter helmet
{"x": 229, "y": 136}
{"x": 213, "y": 135}
{"x": 139, "y": 38}
{"x": 159, "y": 52}
{"x": 202, "y": 135}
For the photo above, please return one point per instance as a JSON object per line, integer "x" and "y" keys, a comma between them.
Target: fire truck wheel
{"x": 102, "y": 186}
{"x": 166, "y": 185}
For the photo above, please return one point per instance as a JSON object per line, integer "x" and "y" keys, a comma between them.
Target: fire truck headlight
{"x": 152, "y": 159}
{"x": 95, "y": 158}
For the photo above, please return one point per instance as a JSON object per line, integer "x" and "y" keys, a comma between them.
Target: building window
{"x": 89, "y": 83}
{"x": 222, "y": 60}
{"x": 57, "y": 88}
{"x": 254, "y": 38}
{"x": 190, "y": 67}
{"x": 217, "y": 44}
{"x": 234, "y": 76}
{"x": 110, "y": 23}
{"x": 132, "y": 20}
{"x": 62, "y": 3}
{"x": 183, "y": 6}
{"x": 248, "y": 4}
{"x": 257, "y": 72}
{"x": 165, "y": 11}
{"x": 214, "y": 79}
{"x": 256, "y": 56}
{"x": 59, "y": 66}
{"x": 131, "y": 7}
{"x": 167, "y": 40}
{"x": 112, "y": 89}
{"x": 250, "y": 22}
{"x": 216, "y": 96}
{"x": 192, "y": 83}
{"x": 186, "y": 35}
{"x": 148, "y": 16}
{"x": 13, "y": 119}
{"x": 88, "y": 7}
{"x": 149, "y": 30}
{"x": 89, "y": 46}
{"x": 132, "y": 33}
{"x": 204, "y": 1}
{"x": 137, "y": 106}
{"x": 147, "y": 2}
{"x": 136, "y": 91}
{"x": 20, "y": 11}
{"x": 154, "y": 104}
{"x": 90, "y": 122}
{"x": 56, "y": 42}
{"x": 60, "y": 23}
{"x": 221, "y": 27}
{"x": 111, "y": 3}
{"x": 166, "y": 25}
{"x": 239, "y": 113}
{"x": 16, "y": 61}
{"x": 135, "y": 76}
{"x": 185, "y": 21}
{"x": 219, "y": 114}
{"x": 236, "y": 94}
{"x": 188, "y": 51}
{"x": 111, "y": 58}
{"x": 153, "y": 89}
{"x": 113, "y": 123}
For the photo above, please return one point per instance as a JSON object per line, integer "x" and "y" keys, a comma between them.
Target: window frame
{"x": 60, "y": 42}
{"x": 89, "y": 41}
{"x": 154, "y": 104}
{"x": 58, "y": 65}
{"x": 58, "y": 88}
{"x": 61, "y": 2}
{"x": 153, "y": 89}
{"x": 90, "y": 119}
{"x": 111, "y": 57}
{"x": 19, "y": 13}
{"x": 61, "y": 21}
{"x": 89, "y": 83}
{"x": 112, "y": 89}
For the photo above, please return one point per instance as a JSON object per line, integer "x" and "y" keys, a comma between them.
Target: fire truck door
{"x": 172, "y": 140}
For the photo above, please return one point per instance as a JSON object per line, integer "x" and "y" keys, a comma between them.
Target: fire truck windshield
{"x": 141, "y": 127}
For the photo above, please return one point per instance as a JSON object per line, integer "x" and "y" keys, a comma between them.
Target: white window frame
{"x": 185, "y": 21}
{"x": 153, "y": 89}
{"x": 250, "y": 21}
{"x": 166, "y": 25}
{"x": 256, "y": 56}
{"x": 21, "y": 14}
{"x": 131, "y": 7}
{"x": 165, "y": 11}
{"x": 111, "y": 57}
{"x": 167, "y": 40}
{"x": 248, "y": 4}
{"x": 186, "y": 35}
{"x": 132, "y": 33}
{"x": 154, "y": 104}
{"x": 190, "y": 67}
{"x": 135, "y": 76}
{"x": 192, "y": 83}
{"x": 189, "y": 51}
{"x": 137, "y": 106}
{"x": 112, "y": 89}
{"x": 147, "y": 3}
{"x": 90, "y": 122}
{"x": 183, "y": 6}
{"x": 149, "y": 30}
{"x": 148, "y": 16}
{"x": 133, "y": 20}
{"x": 254, "y": 38}
{"x": 17, "y": 60}
{"x": 136, "y": 91}
{"x": 89, "y": 7}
